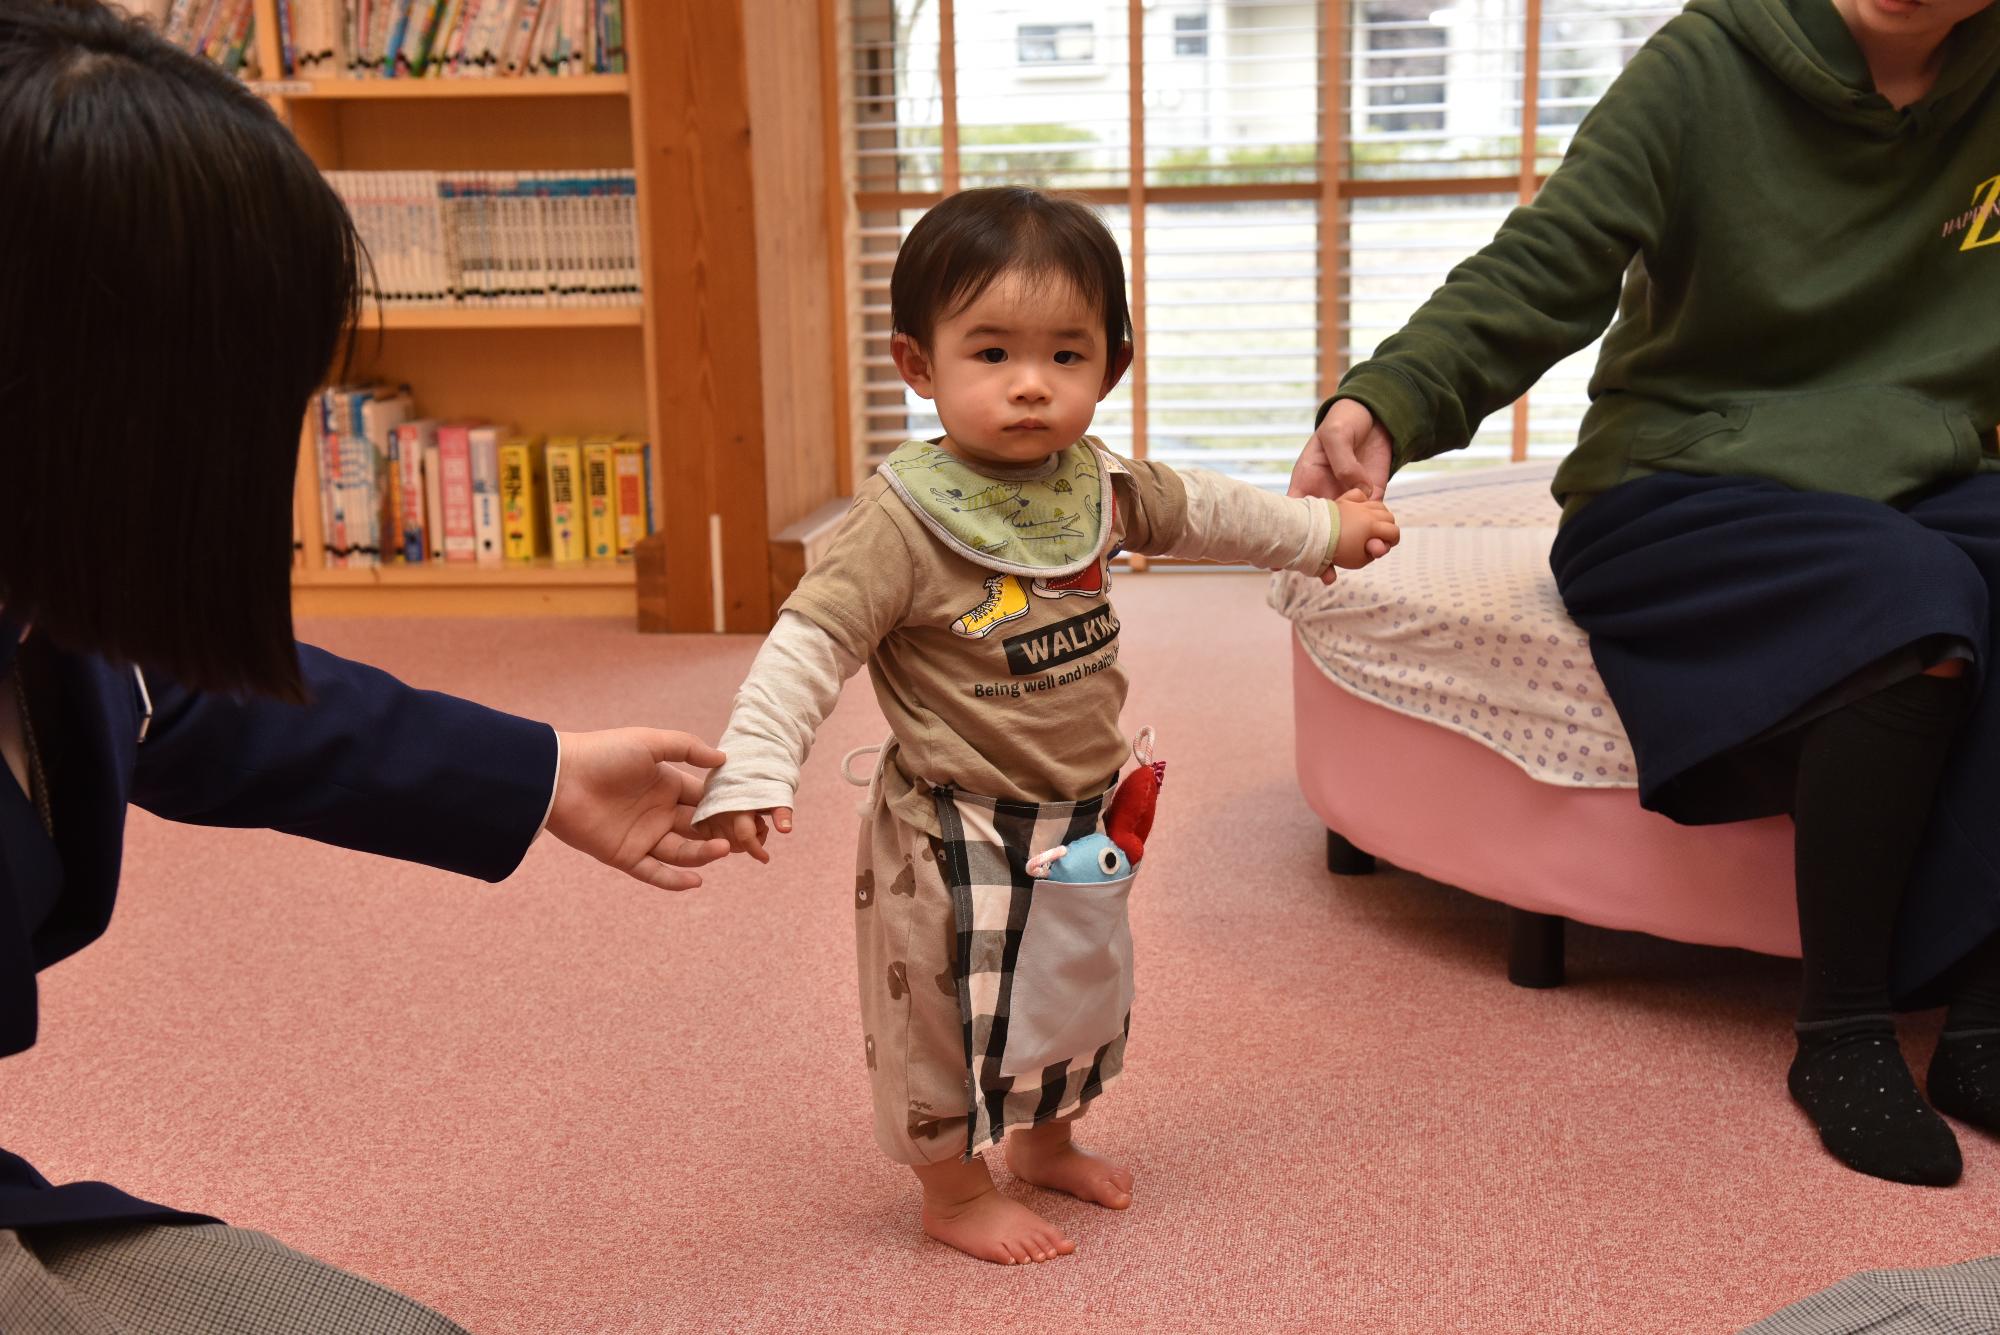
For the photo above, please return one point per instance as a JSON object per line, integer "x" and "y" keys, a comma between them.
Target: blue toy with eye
{"x": 1091, "y": 860}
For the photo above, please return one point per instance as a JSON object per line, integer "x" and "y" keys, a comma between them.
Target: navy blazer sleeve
{"x": 368, "y": 763}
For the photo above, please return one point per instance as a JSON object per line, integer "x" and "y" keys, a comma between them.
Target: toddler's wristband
{"x": 1332, "y": 536}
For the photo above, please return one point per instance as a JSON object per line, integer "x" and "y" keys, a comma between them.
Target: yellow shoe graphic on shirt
{"x": 1005, "y": 600}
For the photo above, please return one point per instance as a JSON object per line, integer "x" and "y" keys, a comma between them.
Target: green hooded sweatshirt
{"x": 1811, "y": 278}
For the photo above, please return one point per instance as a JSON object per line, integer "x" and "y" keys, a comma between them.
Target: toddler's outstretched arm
{"x": 1234, "y": 521}
{"x": 792, "y": 687}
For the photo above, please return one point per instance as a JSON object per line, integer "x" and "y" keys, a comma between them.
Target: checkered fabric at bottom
{"x": 189, "y": 1279}
{"x": 987, "y": 844}
{"x": 1961, "y": 1299}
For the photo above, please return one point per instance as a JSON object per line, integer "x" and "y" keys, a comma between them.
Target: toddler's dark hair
{"x": 177, "y": 279}
{"x": 956, "y": 250}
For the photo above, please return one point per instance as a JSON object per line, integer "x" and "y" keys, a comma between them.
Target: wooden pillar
{"x": 1530, "y": 179}
{"x": 1332, "y": 207}
{"x": 709, "y": 567}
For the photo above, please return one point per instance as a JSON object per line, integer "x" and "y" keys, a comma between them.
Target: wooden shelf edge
{"x": 450, "y": 576}
{"x": 356, "y": 90}
{"x": 432, "y": 604}
{"x": 392, "y": 318}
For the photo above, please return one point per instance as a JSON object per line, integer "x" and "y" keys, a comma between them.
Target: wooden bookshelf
{"x": 725, "y": 365}
{"x": 540, "y": 370}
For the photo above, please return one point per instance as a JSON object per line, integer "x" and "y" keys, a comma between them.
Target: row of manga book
{"x": 397, "y": 488}
{"x": 497, "y": 238}
{"x": 446, "y": 39}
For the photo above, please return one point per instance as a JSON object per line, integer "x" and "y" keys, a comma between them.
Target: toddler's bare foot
{"x": 962, "y": 1210}
{"x": 1046, "y": 1157}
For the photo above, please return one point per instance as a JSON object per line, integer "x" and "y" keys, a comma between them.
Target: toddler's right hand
{"x": 1364, "y": 525}
{"x": 746, "y": 831}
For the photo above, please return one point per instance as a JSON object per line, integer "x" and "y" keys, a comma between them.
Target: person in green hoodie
{"x": 1781, "y": 521}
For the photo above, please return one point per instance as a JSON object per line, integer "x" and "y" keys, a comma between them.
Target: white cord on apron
{"x": 848, "y": 759}
{"x": 1142, "y": 746}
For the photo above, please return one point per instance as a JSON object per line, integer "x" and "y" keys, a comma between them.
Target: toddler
{"x": 971, "y": 576}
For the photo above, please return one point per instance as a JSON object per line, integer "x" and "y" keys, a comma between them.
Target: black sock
{"x": 1964, "y": 1079}
{"x": 1867, "y": 776}
{"x": 1851, "y": 1079}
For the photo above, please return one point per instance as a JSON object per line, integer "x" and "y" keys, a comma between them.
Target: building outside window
{"x": 1190, "y": 34}
{"x": 1255, "y": 282}
{"x": 1056, "y": 43}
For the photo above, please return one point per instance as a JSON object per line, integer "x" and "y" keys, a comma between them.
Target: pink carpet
{"x": 571, "y": 1104}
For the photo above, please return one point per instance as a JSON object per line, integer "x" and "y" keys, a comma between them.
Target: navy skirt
{"x": 1725, "y": 612}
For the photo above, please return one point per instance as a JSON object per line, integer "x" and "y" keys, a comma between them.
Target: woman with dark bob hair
{"x": 177, "y": 280}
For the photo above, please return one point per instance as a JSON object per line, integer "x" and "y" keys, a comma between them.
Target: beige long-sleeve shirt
{"x": 995, "y": 684}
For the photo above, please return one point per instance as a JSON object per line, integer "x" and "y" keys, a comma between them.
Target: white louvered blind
{"x": 1232, "y": 334}
{"x": 1399, "y": 250}
{"x": 1257, "y": 280}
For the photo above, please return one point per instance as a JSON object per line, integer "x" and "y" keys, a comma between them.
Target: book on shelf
{"x": 414, "y": 441}
{"x": 354, "y": 430}
{"x": 461, "y": 543}
{"x": 630, "y": 473}
{"x": 433, "y": 501}
{"x": 520, "y": 498}
{"x": 600, "y": 509}
{"x": 449, "y": 39}
{"x": 399, "y": 489}
{"x": 486, "y": 494}
{"x": 563, "y": 465}
{"x": 496, "y": 238}
{"x": 222, "y": 31}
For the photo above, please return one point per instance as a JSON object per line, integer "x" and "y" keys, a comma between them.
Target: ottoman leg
{"x": 1344, "y": 859}
{"x": 1534, "y": 948}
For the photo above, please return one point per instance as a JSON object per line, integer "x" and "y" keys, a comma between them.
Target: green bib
{"x": 1053, "y": 525}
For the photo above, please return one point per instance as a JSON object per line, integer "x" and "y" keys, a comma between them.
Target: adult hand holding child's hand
{"x": 620, "y": 799}
{"x": 1349, "y": 449}
{"x": 1349, "y": 452}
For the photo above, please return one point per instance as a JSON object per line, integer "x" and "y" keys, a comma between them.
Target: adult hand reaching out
{"x": 620, "y": 799}
{"x": 1349, "y": 451}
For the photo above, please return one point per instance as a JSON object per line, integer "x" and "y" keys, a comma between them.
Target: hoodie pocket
{"x": 1876, "y": 443}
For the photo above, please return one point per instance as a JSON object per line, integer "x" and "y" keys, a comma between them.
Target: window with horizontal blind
{"x": 1203, "y": 131}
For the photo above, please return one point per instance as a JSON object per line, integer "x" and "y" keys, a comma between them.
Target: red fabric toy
{"x": 1130, "y": 819}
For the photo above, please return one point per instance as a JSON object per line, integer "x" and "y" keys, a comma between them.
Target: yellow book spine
{"x": 600, "y": 513}
{"x": 520, "y": 499}
{"x": 566, "y": 512}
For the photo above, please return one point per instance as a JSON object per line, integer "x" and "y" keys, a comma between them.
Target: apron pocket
{"x": 1073, "y": 978}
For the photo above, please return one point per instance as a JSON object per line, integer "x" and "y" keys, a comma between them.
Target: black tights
{"x": 1868, "y": 773}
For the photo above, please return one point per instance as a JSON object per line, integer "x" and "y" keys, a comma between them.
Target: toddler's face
{"x": 1016, "y": 375}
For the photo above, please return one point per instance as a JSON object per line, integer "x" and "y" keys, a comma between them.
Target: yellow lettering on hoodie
{"x": 1985, "y": 229}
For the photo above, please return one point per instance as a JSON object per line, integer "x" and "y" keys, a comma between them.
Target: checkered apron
{"x": 1961, "y": 1299}
{"x": 189, "y": 1279}
{"x": 1044, "y": 971}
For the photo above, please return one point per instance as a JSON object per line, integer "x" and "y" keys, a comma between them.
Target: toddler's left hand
{"x": 1367, "y": 531}
{"x": 746, "y": 831}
